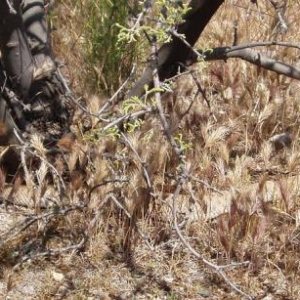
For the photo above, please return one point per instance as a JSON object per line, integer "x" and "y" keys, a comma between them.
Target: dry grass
{"x": 241, "y": 204}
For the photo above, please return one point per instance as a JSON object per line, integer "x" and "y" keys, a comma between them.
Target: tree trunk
{"x": 176, "y": 53}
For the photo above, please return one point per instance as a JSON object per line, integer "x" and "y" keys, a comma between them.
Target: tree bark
{"x": 254, "y": 57}
{"x": 175, "y": 54}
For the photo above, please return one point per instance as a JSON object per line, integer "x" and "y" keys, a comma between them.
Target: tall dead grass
{"x": 240, "y": 204}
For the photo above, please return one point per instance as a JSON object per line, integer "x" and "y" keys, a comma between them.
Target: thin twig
{"x": 143, "y": 164}
{"x": 280, "y": 11}
{"x": 31, "y": 219}
{"x": 263, "y": 44}
{"x": 111, "y": 100}
{"x": 51, "y": 252}
{"x": 25, "y": 147}
{"x": 144, "y": 237}
{"x": 105, "y": 182}
{"x": 207, "y": 185}
{"x": 214, "y": 267}
{"x": 28, "y": 177}
{"x": 157, "y": 96}
{"x": 85, "y": 110}
{"x": 129, "y": 116}
{"x": 11, "y": 8}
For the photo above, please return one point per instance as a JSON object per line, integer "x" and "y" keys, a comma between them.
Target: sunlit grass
{"x": 230, "y": 153}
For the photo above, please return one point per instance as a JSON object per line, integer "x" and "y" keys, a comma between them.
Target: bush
{"x": 108, "y": 62}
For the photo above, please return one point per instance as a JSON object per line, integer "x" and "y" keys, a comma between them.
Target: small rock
{"x": 228, "y": 93}
{"x": 268, "y": 297}
{"x": 58, "y": 276}
{"x": 168, "y": 279}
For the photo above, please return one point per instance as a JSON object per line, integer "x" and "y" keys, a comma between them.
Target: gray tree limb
{"x": 254, "y": 57}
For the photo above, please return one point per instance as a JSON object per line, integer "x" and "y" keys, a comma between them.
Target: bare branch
{"x": 31, "y": 219}
{"x": 280, "y": 8}
{"x": 127, "y": 117}
{"x": 255, "y": 58}
{"x": 218, "y": 269}
{"x": 157, "y": 96}
{"x": 144, "y": 237}
{"x": 245, "y": 52}
{"x": 51, "y": 252}
{"x": 182, "y": 178}
{"x": 111, "y": 100}
{"x": 105, "y": 182}
{"x": 264, "y": 44}
{"x": 11, "y": 8}
{"x": 143, "y": 164}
